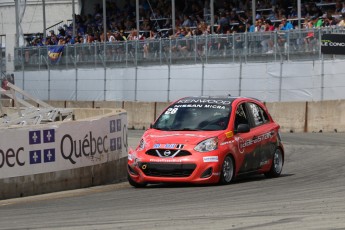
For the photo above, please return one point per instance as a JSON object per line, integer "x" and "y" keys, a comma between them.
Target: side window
{"x": 259, "y": 115}
{"x": 241, "y": 116}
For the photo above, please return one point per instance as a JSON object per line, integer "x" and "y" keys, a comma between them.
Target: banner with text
{"x": 333, "y": 44}
{"x": 50, "y": 148}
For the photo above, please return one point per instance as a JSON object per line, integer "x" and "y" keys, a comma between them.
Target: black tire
{"x": 135, "y": 184}
{"x": 228, "y": 171}
{"x": 277, "y": 164}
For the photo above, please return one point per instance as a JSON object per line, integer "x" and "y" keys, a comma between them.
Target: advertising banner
{"x": 50, "y": 148}
{"x": 333, "y": 44}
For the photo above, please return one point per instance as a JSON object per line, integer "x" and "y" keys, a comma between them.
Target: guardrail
{"x": 240, "y": 47}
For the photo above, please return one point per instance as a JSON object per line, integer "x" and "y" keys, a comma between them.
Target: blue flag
{"x": 54, "y": 53}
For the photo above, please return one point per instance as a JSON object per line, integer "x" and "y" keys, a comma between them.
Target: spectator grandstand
{"x": 192, "y": 18}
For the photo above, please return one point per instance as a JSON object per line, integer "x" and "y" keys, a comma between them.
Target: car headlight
{"x": 207, "y": 145}
{"x": 141, "y": 145}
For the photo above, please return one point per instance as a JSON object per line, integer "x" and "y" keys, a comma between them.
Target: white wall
{"x": 300, "y": 81}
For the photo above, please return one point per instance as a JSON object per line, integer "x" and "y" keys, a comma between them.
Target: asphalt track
{"x": 310, "y": 194}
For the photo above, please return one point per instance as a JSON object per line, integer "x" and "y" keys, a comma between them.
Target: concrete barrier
{"x": 6, "y": 102}
{"x": 291, "y": 116}
{"x": 58, "y": 104}
{"x": 108, "y": 104}
{"x": 326, "y": 116}
{"x": 79, "y": 104}
{"x": 140, "y": 114}
{"x": 90, "y": 150}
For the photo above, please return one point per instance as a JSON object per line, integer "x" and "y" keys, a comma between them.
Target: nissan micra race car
{"x": 208, "y": 140}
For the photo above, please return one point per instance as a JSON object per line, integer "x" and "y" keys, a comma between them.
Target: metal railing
{"x": 240, "y": 47}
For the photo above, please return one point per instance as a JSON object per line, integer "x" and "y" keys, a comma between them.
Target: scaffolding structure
{"x": 27, "y": 113}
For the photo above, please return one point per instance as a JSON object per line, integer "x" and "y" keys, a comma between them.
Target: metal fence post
{"x": 233, "y": 48}
{"x": 195, "y": 49}
{"x": 280, "y": 80}
{"x": 322, "y": 77}
{"x": 170, "y": 43}
{"x": 240, "y": 78}
{"x": 202, "y": 79}
{"x": 275, "y": 46}
{"x": 160, "y": 51}
{"x": 169, "y": 79}
{"x": 245, "y": 46}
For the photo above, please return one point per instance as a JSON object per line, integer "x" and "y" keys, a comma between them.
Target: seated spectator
{"x": 285, "y": 25}
{"x": 62, "y": 32}
{"x": 342, "y": 22}
{"x": 309, "y": 39}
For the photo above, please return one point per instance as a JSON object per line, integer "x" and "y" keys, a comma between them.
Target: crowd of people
{"x": 192, "y": 18}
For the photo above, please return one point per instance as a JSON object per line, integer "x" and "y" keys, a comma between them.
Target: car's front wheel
{"x": 227, "y": 173}
{"x": 277, "y": 164}
{"x": 135, "y": 184}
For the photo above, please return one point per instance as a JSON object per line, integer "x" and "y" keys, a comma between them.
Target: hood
{"x": 153, "y": 136}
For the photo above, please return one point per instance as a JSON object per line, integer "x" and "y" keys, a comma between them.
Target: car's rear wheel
{"x": 135, "y": 184}
{"x": 227, "y": 173}
{"x": 277, "y": 164}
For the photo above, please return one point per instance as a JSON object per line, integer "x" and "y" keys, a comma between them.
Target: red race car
{"x": 208, "y": 140}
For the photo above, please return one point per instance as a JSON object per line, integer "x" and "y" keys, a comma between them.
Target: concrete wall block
{"x": 326, "y": 116}
{"x": 79, "y": 104}
{"x": 6, "y": 102}
{"x": 57, "y": 104}
{"x": 289, "y": 115}
{"x": 108, "y": 104}
{"x": 140, "y": 114}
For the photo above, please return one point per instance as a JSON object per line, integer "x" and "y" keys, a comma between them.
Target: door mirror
{"x": 243, "y": 128}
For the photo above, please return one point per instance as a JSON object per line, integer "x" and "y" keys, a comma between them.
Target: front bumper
{"x": 197, "y": 168}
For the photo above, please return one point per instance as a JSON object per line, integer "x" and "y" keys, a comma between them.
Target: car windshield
{"x": 194, "y": 117}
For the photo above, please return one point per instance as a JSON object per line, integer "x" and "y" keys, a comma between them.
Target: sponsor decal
{"x": 35, "y": 157}
{"x": 42, "y": 155}
{"x": 54, "y": 148}
{"x": 204, "y": 101}
{"x": 115, "y": 126}
{"x": 214, "y": 106}
{"x": 34, "y": 137}
{"x": 210, "y": 159}
{"x": 188, "y": 106}
{"x": 48, "y": 136}
{"x": 246, "y": 143}
{"x": 49, "y": 155}
{"x": 333, "y": 44}
{"x": 165, "y": 160}
{"x": 198, "y": 106}
{"x": 12, "y": 157}
{"x": 72, "y": 149}
{"x": 226, "y": 142}
{"x": 169, "y": 146}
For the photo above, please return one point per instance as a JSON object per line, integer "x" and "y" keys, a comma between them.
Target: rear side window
{"x": 259, "y": 115}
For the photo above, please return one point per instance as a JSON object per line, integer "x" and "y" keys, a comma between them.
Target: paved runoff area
{"x": 310, "y": 194}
